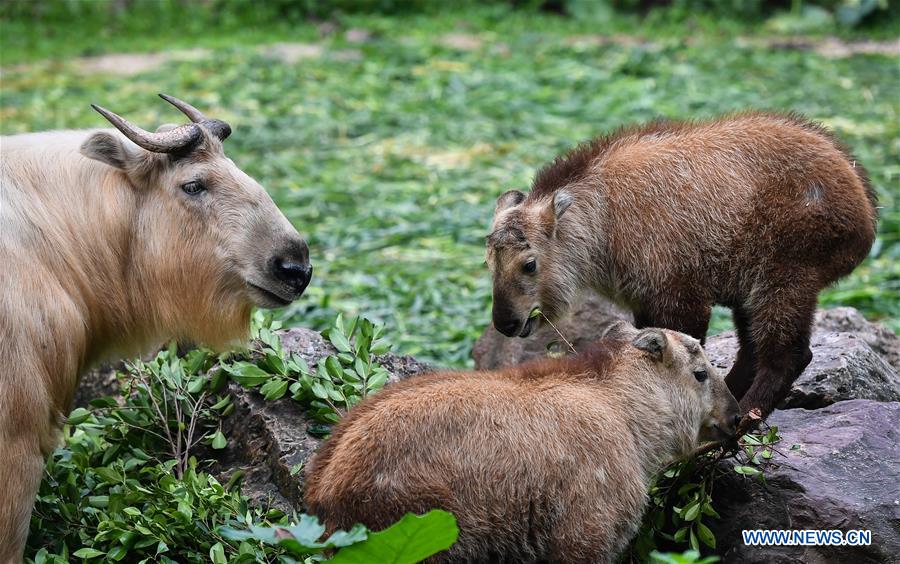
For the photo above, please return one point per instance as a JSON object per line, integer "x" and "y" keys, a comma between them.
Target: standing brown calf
{"x": 756, "y": 211}
{"x": 546, "y": 461}
{"x": 110, "y": 243}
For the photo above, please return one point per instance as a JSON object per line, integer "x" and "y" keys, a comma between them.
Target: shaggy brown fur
{"x": 547, "y": 461}
{"x": 103, "y": 253}
{"x": 755, "y": 211}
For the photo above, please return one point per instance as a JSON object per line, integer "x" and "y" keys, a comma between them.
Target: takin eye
{"x": 529, "y": 267}
{"x": 701, "y": 375}
{"x": 193, "y": 187}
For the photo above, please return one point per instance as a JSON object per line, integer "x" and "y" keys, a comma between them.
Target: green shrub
{"x": 127, "y": 484}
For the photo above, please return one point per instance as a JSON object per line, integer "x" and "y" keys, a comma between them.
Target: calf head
{"x": 697, "y": 391}
{"x": 206, "y": 238}
{"x": 529, "y": 269}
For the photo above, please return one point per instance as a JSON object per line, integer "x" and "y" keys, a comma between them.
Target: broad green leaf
{"x": 219, "y": 441}
{"x": 339, "y": 341}
{"x": 78, "y": 415}
{"x": 247, "y": 374}
{"x": 706, "y": 536}
{"x": 412, "y": 539}
{"x": 87, "y": 553}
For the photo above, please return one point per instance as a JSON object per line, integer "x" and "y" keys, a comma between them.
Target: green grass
{"x": 390, "y": 159}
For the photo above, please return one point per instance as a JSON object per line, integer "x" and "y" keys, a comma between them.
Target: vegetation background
{"x": 385, "y": 129}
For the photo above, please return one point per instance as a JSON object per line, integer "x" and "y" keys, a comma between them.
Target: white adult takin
{"x": 112, "y": 242}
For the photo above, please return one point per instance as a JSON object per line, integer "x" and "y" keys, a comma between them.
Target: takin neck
{"x": 584, "y": 244}
{"x": 663, "y": 424}
{"x": 72, "y": 240}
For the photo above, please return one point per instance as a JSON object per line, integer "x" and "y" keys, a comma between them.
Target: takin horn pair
{"x": 179, "y": 140}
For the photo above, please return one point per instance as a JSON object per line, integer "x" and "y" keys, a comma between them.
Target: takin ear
{"x": 653, "y": 342}
{"x": 509, "y": 199}
{"x": 561, "y": 202}
{"x": 554, "y": 210}
{"x": 110, "y": 149}
{"x": 619, "y": 330}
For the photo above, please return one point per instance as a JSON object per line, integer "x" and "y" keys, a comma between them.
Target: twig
{"x": 561, "y": 336}
{"x": 194, "y": 417}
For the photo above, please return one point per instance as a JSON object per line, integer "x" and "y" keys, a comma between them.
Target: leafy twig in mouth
{"x": 537, "y": 312}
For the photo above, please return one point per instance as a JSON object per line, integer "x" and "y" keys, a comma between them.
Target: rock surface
{"x": 849, "y": 320}
{"x": 843, "y": 367}
{"x": 843, "y": 474}
{"x": 269, "y": 440}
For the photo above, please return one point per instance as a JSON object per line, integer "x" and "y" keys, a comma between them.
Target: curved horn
{"x": 187, "y": 109}
{"x": 171, "y": 141}
{"x": 215, "y": 126}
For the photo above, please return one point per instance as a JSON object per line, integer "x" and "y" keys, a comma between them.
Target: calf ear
{"x": 653, "y": 342}
{"x": 561, "y": 202}
{"x": 554, "y": 210}
{"x": 619, "y": 329}
{"x": 110, "y": 149}
{"x": 509, "y": 199}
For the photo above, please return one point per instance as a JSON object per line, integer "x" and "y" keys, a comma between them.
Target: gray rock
{"x": 585, "y": 325}
{"x": 843, "y": 473}
{"x": 849, "y": 320}
{"x": 269, "y": 441}
{"x": 843, "y": 367}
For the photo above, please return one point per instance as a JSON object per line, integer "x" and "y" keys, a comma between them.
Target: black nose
{"x": 293, "y": 268}
{"x": 507, "y": 326}
{"x": 736, "y": 420}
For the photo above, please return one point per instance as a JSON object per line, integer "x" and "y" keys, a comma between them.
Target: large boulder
{"x": 269, "y": 442}
{"x": 836, "y": 468}
{"x": 849, "y": 320}
{"x": 843, "y": 367}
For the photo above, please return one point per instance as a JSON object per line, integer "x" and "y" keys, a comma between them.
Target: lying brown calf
{"x": 549, "y": 460}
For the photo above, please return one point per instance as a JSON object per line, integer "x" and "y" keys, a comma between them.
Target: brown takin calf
{"x": 756, "y": 211}
{"x": 111, "y": 242}
{"x": 546, "y": 461}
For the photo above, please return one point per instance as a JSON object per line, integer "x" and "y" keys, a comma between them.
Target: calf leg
{"x": 781, "y": 326}
{"x": 21, "y": 463}
{"x": 740, "y": 377}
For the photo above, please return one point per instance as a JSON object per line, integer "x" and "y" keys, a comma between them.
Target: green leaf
{"x": 339, "y": 341}
{"x": 412, "y": 539}
{"x": 87, "y": 553}
{"x": 747, "y": 470}
{"x": 333, "y": 367}
{"x": 246, "y": 374}
{"x": 79, "y": 415}
{"x": 707, "y": 536}
{"x": 691, "y": 512}
{"x": 217, "y": 554}
{"x": 319, "y": 390}
{"x": 219, "y": 441}
{"x": 274, "y": 389}
{"x": 376, "y": 382}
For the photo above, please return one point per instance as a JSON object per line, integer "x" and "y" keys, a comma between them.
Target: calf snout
{"x": 506, "y": 321}
{"x": 292, "y": 267}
